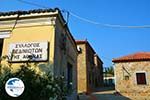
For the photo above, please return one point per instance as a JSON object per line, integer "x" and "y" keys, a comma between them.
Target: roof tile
{"x": 140, "y": 56}
{"x": 28, "y": 12}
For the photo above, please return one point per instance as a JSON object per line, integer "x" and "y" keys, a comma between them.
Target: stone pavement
{"x": 106, "y": 93}
{"x": 87, "y": 97}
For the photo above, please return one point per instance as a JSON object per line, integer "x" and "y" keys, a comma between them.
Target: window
{"x": 126, "y": 77}
{"x": 141, "y": 78}
{"x": 69, "y": 75}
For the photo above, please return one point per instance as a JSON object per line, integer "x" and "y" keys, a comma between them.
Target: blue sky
{"x": 108, "y": 42}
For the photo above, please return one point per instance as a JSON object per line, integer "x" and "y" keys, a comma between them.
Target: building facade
{"x": 90, "y": 70}
{"x": 132, "y": 75}
{"x": 43, "y": 36}
{"x": 99, "y": 82}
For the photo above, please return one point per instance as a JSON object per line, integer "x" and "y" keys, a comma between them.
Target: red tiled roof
{"x": 140, "y": 56}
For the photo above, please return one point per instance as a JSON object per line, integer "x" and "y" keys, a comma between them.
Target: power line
{"x": 42, "y": 6}
{"x": 108, "y": 59}
{"x": 14, "y": 26}
{"x": 107, "y": 25}
{"x": 85, "y": 19}
{"x": 33, "y": 4}
{"x": 67, "y": 18}
{"x": 66, "y": 14}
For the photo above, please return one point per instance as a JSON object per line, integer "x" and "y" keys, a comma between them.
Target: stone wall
{"x": 126, "y": 82}
{"x": 90, "y": 68}
{"x": 90, "y": 71}
{"x": 65, "y": 54}
{"x": 82, "y": 70}
{"x": 99, "y": 72}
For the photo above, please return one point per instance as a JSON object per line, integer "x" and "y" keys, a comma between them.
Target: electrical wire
{"x": 85, "y": 19}
{"x": 67, "y": 13}
{"x": 107, "y": 25}
{"x": 33, "y": 4}
{"x": 16, "y": 21}
{"x": 108, "y": 59}
{"x": 42, "y": 6}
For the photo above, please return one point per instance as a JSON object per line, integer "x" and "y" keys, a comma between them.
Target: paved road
{"x": 108, "y": 94}
{"x": 103, "y": 94}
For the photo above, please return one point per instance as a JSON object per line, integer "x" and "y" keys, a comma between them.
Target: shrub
{"x": 37, "y": 86}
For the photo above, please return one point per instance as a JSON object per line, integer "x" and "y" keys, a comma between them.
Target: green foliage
{"x": 109, "y": 70}
{"x": 37, "y": 87}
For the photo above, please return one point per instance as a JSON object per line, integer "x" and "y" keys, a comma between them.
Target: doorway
{"x": 69, "y": 75}
{"x": 1, "y": 46}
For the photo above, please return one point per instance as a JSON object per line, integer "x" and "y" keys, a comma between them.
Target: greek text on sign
{"x": 30, "y": 51}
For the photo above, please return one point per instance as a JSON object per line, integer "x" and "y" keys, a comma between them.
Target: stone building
{"x": 99, "y": 71}
{"x": 90, "y": 69}
{"x": 43, "y": 35}
{"x": 132, "y": 75}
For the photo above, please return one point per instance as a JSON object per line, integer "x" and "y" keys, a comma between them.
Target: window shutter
{"x": 141, "y": 78}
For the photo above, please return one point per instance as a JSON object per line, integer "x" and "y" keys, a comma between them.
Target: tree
{"x": 109, "y": 70}
{"x": 108, "y": 74}
{"x": 37, "y": 86}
